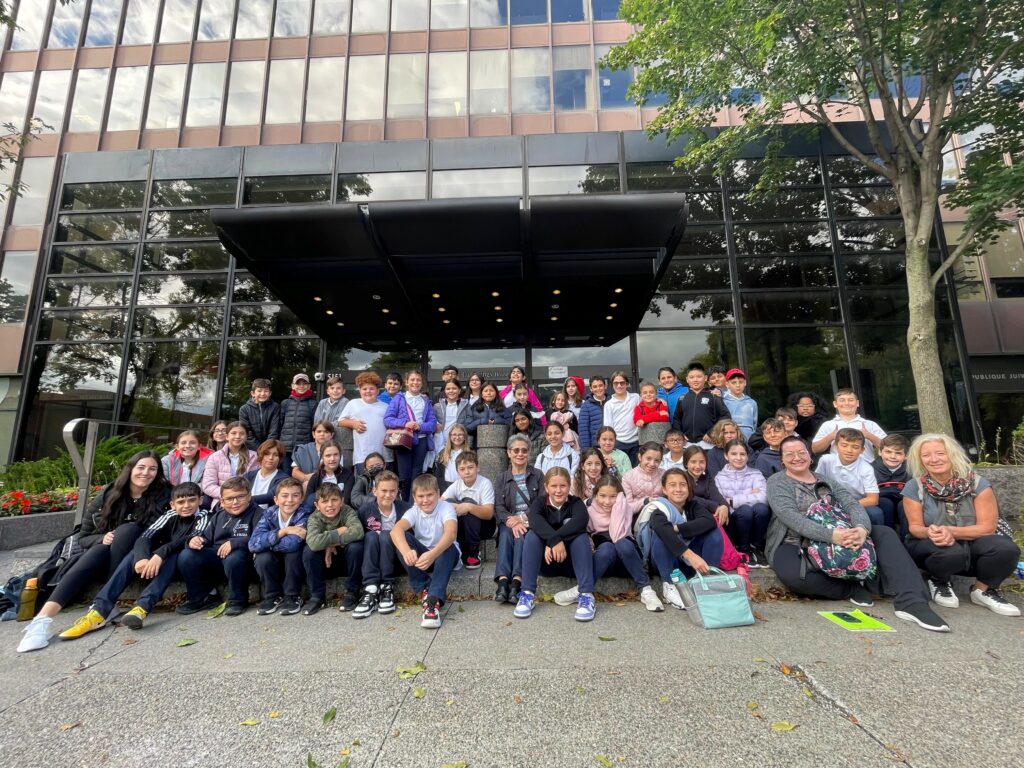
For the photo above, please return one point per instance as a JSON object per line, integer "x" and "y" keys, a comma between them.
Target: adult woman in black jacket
{"x": 113, "y": 521}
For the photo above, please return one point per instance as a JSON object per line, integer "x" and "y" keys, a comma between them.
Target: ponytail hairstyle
{"x": 321, "y": 469}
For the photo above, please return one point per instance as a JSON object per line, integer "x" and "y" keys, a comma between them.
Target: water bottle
{"x": 677, "y": 577}
{"x": 1020, "y": 570}
{"x": 27, "y": 609}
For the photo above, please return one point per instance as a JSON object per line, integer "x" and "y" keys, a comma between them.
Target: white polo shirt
{"x": 858, "y": 477}
{"x": 858, "y": 423}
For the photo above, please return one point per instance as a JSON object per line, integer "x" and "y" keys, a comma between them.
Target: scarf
{"x": 952, "y": 492}
{"x": 307, "y": 394}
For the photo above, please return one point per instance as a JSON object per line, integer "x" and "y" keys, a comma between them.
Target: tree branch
{"x": 886, "y": 171}
{"x": 955, "y": 256}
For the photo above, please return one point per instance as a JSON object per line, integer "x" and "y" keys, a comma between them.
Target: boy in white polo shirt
{"x": 847, "y": 467}
{"x": 846, "y": 405}
{"x": 473, "y": 499}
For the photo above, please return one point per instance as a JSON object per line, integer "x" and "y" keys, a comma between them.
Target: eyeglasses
{"x": 234, "y": 499}
{"x": 219, "y": 429}
{"x": 797, "y": 455}
{"x": 518, "y": 450}
{"x": 619, "y": 383}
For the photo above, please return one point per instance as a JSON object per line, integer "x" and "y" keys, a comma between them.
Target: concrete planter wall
{"x": 1008, "y": 484}
{"x": 25, "y": 530}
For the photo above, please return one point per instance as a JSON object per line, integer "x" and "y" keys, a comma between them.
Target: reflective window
{"x": 168, "y": 225}
{"x": 1004, "y": 260}
{"x": 479, "y": 182}
{"x": 52, "y": 99}
{"x": 245, "y": 92}
{"x": 406, "y": 84}
{"x": 104, "y": 16}
{"x": 531, "y": 83}
{"x": 82, "y": 292}
{"x": 66, "y": 25}
{"x": 86, "y": 259}
{"x": 179, "y": 257}
{"x": 488, "y": 13}
{"x": 657, "y": 348}
{"x": 102, "y": 194}
{"x": 861, "y": 202}
{"x": 291, "y": 19}
{"x": 284, "y": 91}
{"x": 573, "y": 77}
{"x": 696, "y": 275}
{"x": 266, "y": 320}
{"x": 447, "y": 89}
{"x": 703, "y": 241}
{"x": 369, "y": 16}
{"x": 270, "y": 190}
{"x": 215, "y": 20}
{"x": 178, "y": 323}
{"x": 798, "y": 171}
{"x": 30, "y": 205}
{"x": 204, "y": 94}
{"x": 449, "y": 14}
{"x": 605, "y": 10}
{"x": 886, "y": 305}
{"x": 165, "y": 96}
{"x": 705, "y": 206}
{"x": 87, "y": 106}
{"x": 847, "y": 169}
{"x": 75, "y": 379}
{"x": 126, "y": 99}
{"x": 170, "y": 383}
{"x": 528, "y": 11}
{"x": 401, "y": 185}
{"x": 253, "y": 19}
{"x": 16, "y": 279}
{"x": 82, "y": 325}
{"x": 190, "y": 289}
{"x": 782, "y": 238}
{"x": 574, "y": 179}
{"x": 330, "y": 17}
{"x": 866, "y": 235}
{"x": 277, "y": 359}
{"x": 139, "y": 22}
{"x": 781, "y": 361}
{"x": 570, "y": 10}
{"x": 408, "y": 15}
{"x": 184, "y": 193}
{"x": 365, "y": 88}
{"x": 324, "y": 94}
{"x": 177, "y": 21}
{"x": 612, "y": 83}
{"x": 681, "y": 310}
{"x": 876, "y": 269}
{"x": 488, "y": 82}
{"x": 791, "y": 307}
{"x": 787, "y": 272}
{"x": 28, "y": 29}
{"x": 97, "y": 227}
{"x": 14, "y": 93}
{"x": 781, "y": 204}
{"x": 249, "y": 290}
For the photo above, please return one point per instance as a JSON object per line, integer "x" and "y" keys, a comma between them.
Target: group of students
{"x": 581, "y": 497}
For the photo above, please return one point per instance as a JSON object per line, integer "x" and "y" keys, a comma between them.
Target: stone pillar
{"x": 491, "y": 451}
{"x": 343, "y": 437}
{"x": 654, "y": 433}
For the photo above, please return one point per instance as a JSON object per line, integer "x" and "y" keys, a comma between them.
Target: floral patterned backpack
{"x": 858, "y": 564}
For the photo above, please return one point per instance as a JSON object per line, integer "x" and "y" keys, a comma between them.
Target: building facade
{"x": 120, "y": 303}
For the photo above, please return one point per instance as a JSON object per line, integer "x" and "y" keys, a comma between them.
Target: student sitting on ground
{"x": 233, "y": 460}
{"x": 306, "y": 458}
{"x": 847, "y": 416}
{"x": 615, "y": 460}
{"x": 222, "y": 551}
{"x": 769, "y": 460}
{"x": 330, "y": 472}
{"x": 890, "y": 466}
{"x": 724, "y": 431}
{"x": 472, "y": 496}
{"x": 746, "y": 492}
{"x": 362, "y": 486}
{"x": 445, "y": 466}
{"x": 644, "y": 480}
{"x": 590, "y": 469}
{"x": 703, "y": 486}
{"x": 557, "y": 453}
{"x": 378, "y": 517}
{"x": 260, "y": 416}
{"x": 334, "y": 546}
{"x": 268, "y": 475}
{"x": 277, "y": 542}
{"x": 517, "y": 487}
{"x": 847, "y": 467}
{"x": 425, "y": 540}
{"x": 154, "y": 559}
{"x": 556, "y": 540}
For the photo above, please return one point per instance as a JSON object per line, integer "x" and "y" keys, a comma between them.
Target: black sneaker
{"x": 210, "y": 601}
{"x": 290, "y": 606}
{"x": 367, "y": 605}
{"x": 924, "y": 617}
{"x": 268, "y": 606}
{"x": 860, "y": 596}
{"x": 513, "y": 590}
{"x": 236, "y": 609}
{"x": 502, "y": 594}
{"x": 349, "y": 603}
{"x": 386, "y": 598}
{"x": 312, "y": 606}
{"x": 431, "y": 613}
{"x": 757, "y": 558}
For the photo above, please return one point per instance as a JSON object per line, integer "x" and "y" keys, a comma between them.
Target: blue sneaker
{"x": 586, "y": 607}
{"x": 525, "y": 605}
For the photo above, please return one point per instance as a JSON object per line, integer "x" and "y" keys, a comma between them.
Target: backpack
{"x": 642, "y": 525}
{"x": 837, "y": 562}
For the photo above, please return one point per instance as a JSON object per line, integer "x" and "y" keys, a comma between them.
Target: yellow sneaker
{"x": 134, "y": 618}
{"x": 92, "y": 620}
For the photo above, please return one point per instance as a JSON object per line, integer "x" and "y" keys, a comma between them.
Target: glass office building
{"x": 120, "y": 302}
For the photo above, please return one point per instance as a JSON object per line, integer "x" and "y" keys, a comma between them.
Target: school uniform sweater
{"x": 768, "y": 462}
{"x": 890, "y": 481}
{"x": 233, "y": 528}
{"x": 704, "y": 488}
{"x": 372, "y": 519}
{"x": 330, "y": 410}
{"x": 555, "y": 525}
{"x": 638, "y": 485}
{"x": 742, "y": 487}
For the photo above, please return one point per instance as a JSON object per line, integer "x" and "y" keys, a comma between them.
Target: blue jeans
{"x": 708, "y": 546}
{"x": 272, "y": 566}
{"x": 106, "y": 599}
{"x": 876, "y": 516}
{"x": 379, "y": 557}
{"x": 580, "y": 562}
{"x": 892, "y": 513}
{"x": 510, "y": 555}
{"x": 350, "y": 556}
{"x": 624, "y": 551}
{"x": 437, "y": 576}
{"x": 410, "y": 465}
{"x": 748, "y": 526}
{"x": 203, "y": 569}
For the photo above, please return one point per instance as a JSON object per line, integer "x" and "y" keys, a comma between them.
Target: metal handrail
{"x": 83, "y": 462}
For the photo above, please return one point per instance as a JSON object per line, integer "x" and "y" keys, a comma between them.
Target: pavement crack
{"x": 83, "y": 664}
{"x": 35, "y": 693}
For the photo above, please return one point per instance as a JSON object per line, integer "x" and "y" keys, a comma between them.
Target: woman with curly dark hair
{"x": 811, "y": 412}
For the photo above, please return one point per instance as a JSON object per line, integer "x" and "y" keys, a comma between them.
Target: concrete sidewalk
{"x": 631, "y": 688}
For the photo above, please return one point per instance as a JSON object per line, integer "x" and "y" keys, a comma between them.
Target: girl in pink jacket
{"x": 644, "y": 480}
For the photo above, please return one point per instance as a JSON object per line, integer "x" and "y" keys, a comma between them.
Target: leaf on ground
{"x": 418, "y": 693}
{"x": 517, "y": 699}
{"x": 544, "y": 597}
{"x": 752, "y": 705}
{"x": 129, "y": 641}
{"x": 605, "y": 638}
{"x": 185, "y": 641}
{"x": 250, "y": 721}
{"x": 461, "y": 609}
{"x": 346, "y": 752}
{"x": 69, "y": 726}
{"x": 229, "y": 655}
{"x": 462, "y": 764}
{"x": 782, "y": 726}
{"x": 580, "y": 689}
{"x": 310, "y": 762}
{"x": 807, "y": 692}
{"x": 663, "y": 699}
{"x": 398, "y": 613}
{"x": 408, "y": 673}
{"x": 356, "y": 743}
{"x": 602, "y": 760}
{"x": 274, "y": 715}
{"x": 217, "y": 611}
{"x": 759, "y": 616}
{"x": 396, "y": 733}
{"x": 785, "y": 668}
{"x": 619, "y": 605}
{"x": 450, "y": 702}
{"x": 759, "y": 660}
{"x": 343, "y": 763}
{"x": 329, "y": 715}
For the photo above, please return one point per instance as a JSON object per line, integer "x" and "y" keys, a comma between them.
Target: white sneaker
{"x": 650, "y": 599}
{"x": 671, "y": 595}
{"x": 567, "y": 596}
{"x": 942, "y": 594}
{"x": 993, "y": 600}
{"x": 37, "y": 635}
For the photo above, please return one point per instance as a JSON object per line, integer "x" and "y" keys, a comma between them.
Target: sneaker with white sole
{"x": 37, "y": 635}
{"x": 924, "y": 617}
{"x": 650, "y": 599}
{"x": 671, "y": 595}
{"x": 386, "y": 598}
{"x": 567, "y": 596}
{"x": 586, "y": 607}
{"x": 993, "y": 599}
{"x": 367, "y": 603}
{"x": 524, "y": 606}
{"x": 860, "y": 596}
{"x": 942, "y": 594}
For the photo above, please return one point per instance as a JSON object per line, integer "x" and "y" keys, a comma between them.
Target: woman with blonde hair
{"x": 953, "y": 525}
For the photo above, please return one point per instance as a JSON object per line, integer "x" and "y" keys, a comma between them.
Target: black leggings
{"x": 990, "y": 559}
{"x": 97, "y": 564}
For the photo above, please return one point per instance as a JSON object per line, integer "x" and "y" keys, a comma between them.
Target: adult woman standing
{"x": 790, "y": 494}
{"x": 113, "y": 521}
{"x": 951, "y": 517}
{"x": 412, "y": 410}
{"x": 233, "y": 460}
{"x": 517, "y": 376}
{"x": 187, "y": 460}
{"x": 618, "y": 414}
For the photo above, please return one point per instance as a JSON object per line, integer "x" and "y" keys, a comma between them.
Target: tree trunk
{"x": 923, "y": 344}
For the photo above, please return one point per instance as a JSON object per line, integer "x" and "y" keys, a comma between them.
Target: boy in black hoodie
{"x": 260, "y": 415}
{"x": 154, "y": 557}
{"x": 222, "y": 550}
{"x": 699, "y": 409}
{"x": 890, "y": 467}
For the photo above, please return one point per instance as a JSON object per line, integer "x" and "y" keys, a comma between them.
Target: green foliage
{"x": 52, "y": 473}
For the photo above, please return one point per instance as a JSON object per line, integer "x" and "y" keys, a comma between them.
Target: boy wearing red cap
{"x": 742, "y": 407}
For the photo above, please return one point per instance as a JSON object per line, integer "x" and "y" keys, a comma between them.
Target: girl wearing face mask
{"x": 362, "y": 486}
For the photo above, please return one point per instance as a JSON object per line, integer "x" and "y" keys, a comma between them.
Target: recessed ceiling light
{"x": 618, "y": 290}
{"x": 376, "y": 297}
{"x": 607, "y": 317}
{"x": 440, "y": 309}
{"x": 341, "y": 325}
{"x": 436, "y": 295}
{"x": 317, "y": 298}
{"x": 385, "y": 310}
{"x": 394, "y": 322}
{"x": 446, "y": 321}
{"x": 556, "y": 292}
{"x": 554, "y": 306}
{"x": 553, "y": 319}
{"x": 613, "y": 305}
{"x": 497, "y": 309}
{"x": 498, "y": 320}
{"x": 551, "y": 338}
{"x": 495, "y": 294}
{"x": 330, "y": 311}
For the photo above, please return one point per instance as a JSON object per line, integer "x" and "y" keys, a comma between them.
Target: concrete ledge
{"x": 25, "y": 530}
